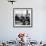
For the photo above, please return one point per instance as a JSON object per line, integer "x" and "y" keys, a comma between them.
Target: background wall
{"x": 37, "y": 32}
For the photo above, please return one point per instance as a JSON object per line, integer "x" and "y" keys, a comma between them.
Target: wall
{"x": 37, "y": 32}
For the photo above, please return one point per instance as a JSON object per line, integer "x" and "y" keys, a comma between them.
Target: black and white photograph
{"x": 22, "y": 17}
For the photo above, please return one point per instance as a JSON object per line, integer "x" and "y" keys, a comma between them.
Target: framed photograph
{"x": 22, "y": 17}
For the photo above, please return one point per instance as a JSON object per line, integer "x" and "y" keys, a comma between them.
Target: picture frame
{"x": 22, "y": 17}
